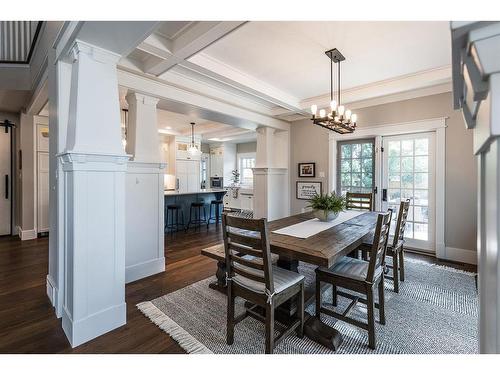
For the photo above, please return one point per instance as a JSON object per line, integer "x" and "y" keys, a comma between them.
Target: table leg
{"x": 220, "y": 284}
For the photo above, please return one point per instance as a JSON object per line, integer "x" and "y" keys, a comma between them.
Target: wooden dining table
{"x": 321, "y": 249}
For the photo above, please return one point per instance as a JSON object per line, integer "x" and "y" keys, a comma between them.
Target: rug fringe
{"x": 184, "y": 339}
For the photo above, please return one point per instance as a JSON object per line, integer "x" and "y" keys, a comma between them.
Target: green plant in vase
{"x": 327, "y": 206}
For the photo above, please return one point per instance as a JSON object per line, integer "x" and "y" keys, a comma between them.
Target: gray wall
{"x": 310, "y": 143}
{"x": 242, "y": 148}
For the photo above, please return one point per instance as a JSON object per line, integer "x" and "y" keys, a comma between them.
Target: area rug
{"x": 435, "y": 312}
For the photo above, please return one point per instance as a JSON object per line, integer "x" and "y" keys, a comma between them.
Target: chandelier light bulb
{"x": 336, "y": 119}
{"x": 333, "y": 105}
{"x": 341, "y": 110}
{"x": 314, "y": 109}
{"x": 348, "y": 114}
{"x": 322, "y": 113}
{"x": 354, "y": 117}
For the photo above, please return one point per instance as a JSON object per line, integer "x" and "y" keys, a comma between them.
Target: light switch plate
{"x": 322, "y": 174}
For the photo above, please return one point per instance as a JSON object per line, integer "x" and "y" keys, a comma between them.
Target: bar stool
{"x": 217, "y": 203}
{"x": 174, "y": 213}
{"x": 197, "y": 221}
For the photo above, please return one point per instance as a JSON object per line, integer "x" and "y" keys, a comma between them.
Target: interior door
{"x": 5, "y": 180}
{"x": 356, "y": 166}
{"x": 43, "y": 192}
{"x": 408, "y": 172}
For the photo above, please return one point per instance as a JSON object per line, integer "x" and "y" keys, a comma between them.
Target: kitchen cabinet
{"x": 223, "y": 161}
{"x": 188, "y": 173}
{"x": 244, "y": 200}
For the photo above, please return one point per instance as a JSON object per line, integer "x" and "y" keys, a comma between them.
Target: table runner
{"x": 311, "y": 227}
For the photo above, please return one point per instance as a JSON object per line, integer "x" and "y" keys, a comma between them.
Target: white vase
{"x": 325, "y": 215}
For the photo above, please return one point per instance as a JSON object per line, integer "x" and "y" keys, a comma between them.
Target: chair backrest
{"x": 359, "y": 201}
{"x": 248, "y": 237}
{"x": 398, "y": 240}
{"x": 377, "y": 254}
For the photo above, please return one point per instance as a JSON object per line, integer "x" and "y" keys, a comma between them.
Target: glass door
{"x": 408, "y": 173}
{"x": 356, "y": 166}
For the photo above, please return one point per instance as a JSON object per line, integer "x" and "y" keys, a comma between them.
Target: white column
{"x": 476, "y": 84}
{"x": 144, "y": 255}
{"x": 271, "y": 176}
{"x": 94, "y": 166}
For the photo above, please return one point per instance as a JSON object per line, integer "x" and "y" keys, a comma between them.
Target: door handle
{"x": 6, "y": 186}
{"x": 384, "y": 195}
{"x": 375, "y": 190}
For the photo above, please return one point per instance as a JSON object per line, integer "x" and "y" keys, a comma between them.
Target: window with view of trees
{"x": 245, "y": 163}
{"x": 355, "y": 166}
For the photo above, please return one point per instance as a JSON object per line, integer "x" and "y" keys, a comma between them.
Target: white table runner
{"x": 314, "y": 226}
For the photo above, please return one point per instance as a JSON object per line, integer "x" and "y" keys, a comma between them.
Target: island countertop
{"x": 195, "y": 192}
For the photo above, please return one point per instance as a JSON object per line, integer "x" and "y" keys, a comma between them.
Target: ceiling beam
{"x": 194, "y": 39}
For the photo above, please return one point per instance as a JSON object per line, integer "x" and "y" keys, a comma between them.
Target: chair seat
{"x": 216, "y": 201}
{"x": 283, "y": 279}
{"x": 197, "y": 204}
{"x": 173, "y": 207}
{"x": 350, "y": 268}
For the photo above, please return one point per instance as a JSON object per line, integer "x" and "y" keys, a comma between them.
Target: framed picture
{"x": 307, "y": 169}
{"x": 306, "y": 190}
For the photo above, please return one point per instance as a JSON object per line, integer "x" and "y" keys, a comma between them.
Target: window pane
{"x": 421, "y": 197}
{"x": 356, "y": 165}
{"x": 356, "y": 151}
{"x": 345, "y": 166}
{"x": 407, "y": 194}
{"x": 421, "y": 214}
{"x": 421, "y": 180}
{"x": 394, "y": 147}
{"x": 421, "y": 164}
{"x": 394, "y": 164}
{"x": 409, "y": 230}
{"x": 407, "y": 180}
{"x": 394, "y": 196}
{"x": 367, "y": 165}
{"x": 367, "y": 150}
{"x": 422, "y": 146}
{"x": 407, "y": 164}
{"x": 345, "y": 151}
{"x": 394, "y": 181}
{"x": 367, "y": 180}
{"x": 346, "y": 179}
{"x": 407, "y": 147}
{"x": 420, "y": 231}
{"x": 356, "y": 179}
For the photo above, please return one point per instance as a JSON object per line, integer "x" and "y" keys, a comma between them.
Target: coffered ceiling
{"x": 278, "y": 69}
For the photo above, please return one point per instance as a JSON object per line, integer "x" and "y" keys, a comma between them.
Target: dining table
{"x": 320, "y": 249}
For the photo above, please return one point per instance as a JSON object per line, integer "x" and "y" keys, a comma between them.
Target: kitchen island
{"x": 185, "y": 198}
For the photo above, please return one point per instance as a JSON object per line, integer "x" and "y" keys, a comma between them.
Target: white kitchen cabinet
{"x": 188, "y": 173}
{"x": 246, "y": 202}
{"x": 223, "y": 161}
{"x": 181, "y": 150}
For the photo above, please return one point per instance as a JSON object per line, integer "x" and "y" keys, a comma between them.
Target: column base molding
{"x": 144, "y": 269}
{"x": 92, "y": 326}
{"x": 29, "y": 234}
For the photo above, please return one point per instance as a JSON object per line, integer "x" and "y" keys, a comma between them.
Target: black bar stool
{"x": 174, "y": 213}
{"x": 197, "y": 221}
{"x": 217, "y": 203}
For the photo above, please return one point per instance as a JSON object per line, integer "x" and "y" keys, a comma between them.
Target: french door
{"x": 408, "y": 172}
{"x": 356, "y": 166}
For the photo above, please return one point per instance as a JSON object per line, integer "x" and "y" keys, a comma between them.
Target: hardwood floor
{"x": 27, "y": 320}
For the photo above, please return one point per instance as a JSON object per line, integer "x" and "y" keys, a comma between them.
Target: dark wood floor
{"x": 27, "y": 320}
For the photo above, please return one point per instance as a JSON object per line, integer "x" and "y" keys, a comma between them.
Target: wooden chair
{"x": 359, "y": 276}
{"x": 257, "y": 280}
{"x": 359, "y": 201}
{"x": 394, "y": 250}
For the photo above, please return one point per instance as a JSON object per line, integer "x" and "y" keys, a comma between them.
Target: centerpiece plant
{"x": 327, "y": 206}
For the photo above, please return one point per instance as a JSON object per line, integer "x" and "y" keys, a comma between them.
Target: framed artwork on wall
{"x": 306, "y": 190}
{"x": 307, "y": 170}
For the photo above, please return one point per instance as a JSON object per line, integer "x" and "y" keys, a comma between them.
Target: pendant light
{"x": 192, "y": 149}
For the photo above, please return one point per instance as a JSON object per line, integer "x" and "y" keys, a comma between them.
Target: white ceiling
{"x": 290, "y": 55}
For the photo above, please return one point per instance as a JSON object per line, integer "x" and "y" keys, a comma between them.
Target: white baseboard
{"x": 94, "y": 325}
{"x": 51, "y": 291}
{"x": 29, "y": 234}
{"x": 145, "y": 269}
{"x": 460, "y": 255}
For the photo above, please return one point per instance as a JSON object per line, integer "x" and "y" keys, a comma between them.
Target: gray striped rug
{"x": 435, "y": 312}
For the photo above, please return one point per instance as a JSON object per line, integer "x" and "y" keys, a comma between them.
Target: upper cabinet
{"x": 222, "y": 161}
{"x": 182, "y": 145}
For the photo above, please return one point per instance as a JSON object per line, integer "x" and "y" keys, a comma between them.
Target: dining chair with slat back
{"x": 361, "y": 277}
{"x": 395, "y": 250}
{"x": 252, "y": 276}
{"x": 359, "y": 201}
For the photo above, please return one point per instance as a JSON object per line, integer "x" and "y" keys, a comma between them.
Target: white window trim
{"x": 437, "y": 125}
{"x": 243, "y": 155}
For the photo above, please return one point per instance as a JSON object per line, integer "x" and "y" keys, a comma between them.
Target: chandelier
{"x": 339, "y": 119}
